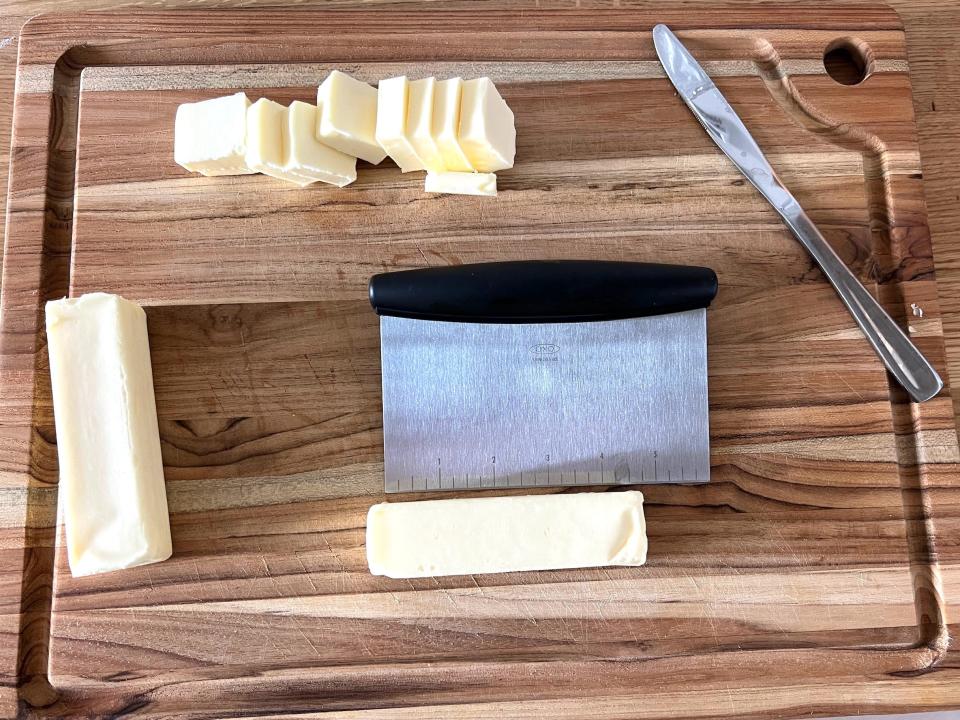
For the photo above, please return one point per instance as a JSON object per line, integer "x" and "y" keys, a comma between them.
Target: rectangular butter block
{"x": 309, "y": 159}
{"x": 112, "y": 492}
{"x": 210, "y": 136}
{"x": 347, "y": 119}
{"x": 446, "y": 125}
{"x": 487, "y": 132}
{"x": 266, "y": 127}
{"x": 461, "y": 183}
{"x": 420, "y": 106}
{"x": 392, "y": 96}
{"x": 506, "y": 534}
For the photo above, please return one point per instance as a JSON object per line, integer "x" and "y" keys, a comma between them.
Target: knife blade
{"x": 902, "y": 358}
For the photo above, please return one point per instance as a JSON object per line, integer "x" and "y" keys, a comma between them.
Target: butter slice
{"x": 461, "y": 183}
{"x": 210, "y": 136}
{"x": 487, "y": 133}
{"x": 506, "y": 534}
{"x": 420, "y": 106}
{"x": 392, "y": 96}
{"x": 308, "y": 158}
{"x": 446, "y": 124}
{"x": 112, "y": 491}
{"x": 266, "y": 126}
{"x": 347, "y": 119}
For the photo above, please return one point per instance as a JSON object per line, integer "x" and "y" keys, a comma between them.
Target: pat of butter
{"x": 112, "y": 491}
{"x": 392, "y": 96}
{"x": 446, "y": 124}
{"x": 347, "y": 118}
{"x": 266, "y": 125}
{"x": 461, "y": 183}
{"x": 487, "y": 133}
{"x": 420, "y": 106}
{"x": 210, "y": 136}
{"x": 506, "y": 534}
{"x": 308, "y": 158}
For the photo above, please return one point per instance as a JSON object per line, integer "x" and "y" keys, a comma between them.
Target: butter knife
{"x": 902, "y": 358}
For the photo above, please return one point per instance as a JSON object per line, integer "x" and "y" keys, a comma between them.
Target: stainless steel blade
{"x": 469, "y": 405}
{"x": 895, "y": 349}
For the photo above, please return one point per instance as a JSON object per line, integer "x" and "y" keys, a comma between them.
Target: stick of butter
{"x": 347, "y": 119}
{"x": 111, "y": 473}
{"x": 392, "y": 97}
{"x": 461, "y": 183}
{"x": 487, "y": 133}
{"x": 210, "y": 136}
{"x": 506, "y": 534}
{"x": 446, "y": 124}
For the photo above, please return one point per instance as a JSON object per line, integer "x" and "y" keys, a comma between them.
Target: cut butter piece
{"x": 347, "y": 118}
{"x": 461, "y": 183}
{"x": 506, "y": 534}
{"x": 266, "y": 126}
{"x": 112, "y": 491}
{"x": 210, "y": 136}
{"x": 446, "y": 125}
{"x": 308, "y": 158}
{"x": 487, "y": 132}
{"x": 420, "y": 106}
{"x": 392, "y": 96}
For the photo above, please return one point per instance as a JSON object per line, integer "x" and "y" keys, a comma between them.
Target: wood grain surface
{"x": 807, "y": 578}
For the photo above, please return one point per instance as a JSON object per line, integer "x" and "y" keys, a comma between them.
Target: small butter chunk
{"x": 210, "y": 136}
{"x": 347, "y": 118}
{"x": 446, "y": 125}
{"x": 308, "y": 158}
{"x": 487, "y": 133}
{"x": 111, "y": 473}
{"x": 461, "y": 183}
{"x": 420, "y": 124}
{"x": 392, "y": 96}
{"x": 266, "y": 127}
{"x": 506, "y": 534}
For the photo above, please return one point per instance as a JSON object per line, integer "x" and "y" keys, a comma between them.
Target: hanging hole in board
{"x": 849, "y": 61}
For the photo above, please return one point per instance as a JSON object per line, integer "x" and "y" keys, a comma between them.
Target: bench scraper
{"x": 543, "y": 373}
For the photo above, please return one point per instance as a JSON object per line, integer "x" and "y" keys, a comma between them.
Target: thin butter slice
{"x": 210, "y": 136}
{"x": 347, "y": 120}
{"x": 111, "y": 490}
{"x": 487, "y": 132}
{"x": 309, "y": 159}
{"x": 506, "y": 534}
{"x": 392, "y": 96}
{"x": 420, "y": 124}
{"x": 461, "y": 183}
{"x": 446, "y": 124}
{"x": 266, "y": 126}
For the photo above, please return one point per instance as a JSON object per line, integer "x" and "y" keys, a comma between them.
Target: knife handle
{"x": 542, "y": 291}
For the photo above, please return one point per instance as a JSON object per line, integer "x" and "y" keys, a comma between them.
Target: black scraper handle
{"x": 539, "y": 291}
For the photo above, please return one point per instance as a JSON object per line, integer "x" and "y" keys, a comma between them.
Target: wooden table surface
{"x": 932, "y": 31}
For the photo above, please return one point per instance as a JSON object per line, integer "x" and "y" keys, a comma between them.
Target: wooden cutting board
{"x": 802, "y": 580}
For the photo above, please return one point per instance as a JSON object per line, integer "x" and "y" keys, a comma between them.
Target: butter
{"x": 111, "y": 489}
{"x": 392, "y": 96}
{"x": 210, "y": 136}
{"x": 420, "y": 106}
{"x": 309, "y": 159}
{"x": 461, "y": 183}
{"x": 347, "y": 118}
{"x": 506, "y": 534}
{"x": 266, "y": 126}
{"x": 446, "y": 125}
{"x": 487, "y": 133}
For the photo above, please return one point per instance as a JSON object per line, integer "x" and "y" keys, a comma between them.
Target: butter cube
{"x": 392, "y": 96}
{"x": 347, "y": 118}
{"x": 446, "y": 125}
{"x": 210, "y": 136}
{"x": 487, "y": 133}
{"x": 266, "y": 126}
{"x": 309, "y": 159}
{"x": 461, "y": 183}
{"x": 465, "y": 536}
{"x": 420, "y": 106}
{"x": 111, "y": 473}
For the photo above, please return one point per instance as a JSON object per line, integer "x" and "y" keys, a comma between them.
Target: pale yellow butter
{"x": 487, "y": 132}
{"x": 210, "y": 136}
{"x": 420, "y": 106}
{"x": 111, "y": 490}
{"x": 308, "y": 158}
{"x": 392, "y": 96}
{"x": 506, "y": 534}
{"x": 461, "y": 183}
{"x": 446, "y": 125}
{"x": 347, "y": 118}
{"x": 266, "y": 126}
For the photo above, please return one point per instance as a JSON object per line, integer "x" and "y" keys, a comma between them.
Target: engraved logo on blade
{"x": 545, "y": 352}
